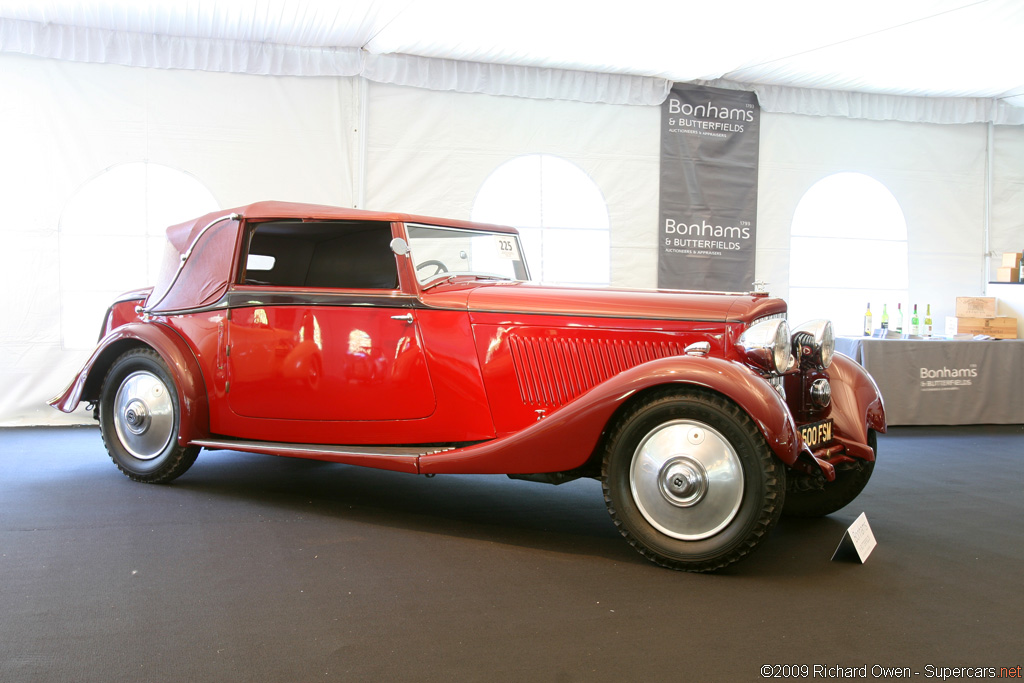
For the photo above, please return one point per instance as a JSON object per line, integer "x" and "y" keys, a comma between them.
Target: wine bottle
{"x": 867, "y": 321}
{"x": 928, "y": 321}
{"x": 899, "y": 318}
{"x": 915, "y": 323}
{"x": 885, "y": 318}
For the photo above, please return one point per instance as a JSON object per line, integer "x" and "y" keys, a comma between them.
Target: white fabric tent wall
{"x": 303, "y": 139}
{"x": 1007, "y": 204}
{"x": 430, "y": 152}
{"x": 935, "y": 172}
{"x": 61, "y": 123}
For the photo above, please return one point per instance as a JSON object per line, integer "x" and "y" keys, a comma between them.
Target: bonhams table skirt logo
{"x": 947, "y": 379}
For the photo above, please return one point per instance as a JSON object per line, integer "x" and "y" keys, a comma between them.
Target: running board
{"x": 400, "y": 458}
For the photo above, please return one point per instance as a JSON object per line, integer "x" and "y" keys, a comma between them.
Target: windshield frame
{"x": 520, "y": 267}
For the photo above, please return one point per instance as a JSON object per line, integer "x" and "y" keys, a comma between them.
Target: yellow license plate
{"x": 817, "y": 433}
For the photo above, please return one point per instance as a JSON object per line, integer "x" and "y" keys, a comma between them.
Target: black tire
{"x": 140, "y": 419}
{"x": 851, "y": 478}
{"x": 660, "y": 495}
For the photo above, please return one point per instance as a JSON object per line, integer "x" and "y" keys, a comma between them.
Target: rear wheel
{"x": 690, "y": 482}
{"x": 140, "y": 418}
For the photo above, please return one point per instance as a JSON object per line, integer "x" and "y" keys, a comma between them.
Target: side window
{"x": 321, "y": 254}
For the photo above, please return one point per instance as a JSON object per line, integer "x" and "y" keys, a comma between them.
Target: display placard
{"x": 858, "y": 541}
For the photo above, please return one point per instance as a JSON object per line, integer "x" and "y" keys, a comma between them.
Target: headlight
{"x": 767, "y": 345}
{"x": 814, "y": 343}
{"x": 821, "y": 393}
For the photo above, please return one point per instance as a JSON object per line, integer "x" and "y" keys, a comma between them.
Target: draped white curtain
{"x": 85, "y": 44}
{"x": 859, "y": 105}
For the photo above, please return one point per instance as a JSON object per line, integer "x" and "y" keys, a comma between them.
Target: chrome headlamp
{"x": 814, "y": 343}
{"x": 821, "y": 393}
{"x": 767, "y": 345}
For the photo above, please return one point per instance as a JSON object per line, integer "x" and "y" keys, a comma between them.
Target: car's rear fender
{"x": 568, "y": 437}
{"x": 180, "y": 360}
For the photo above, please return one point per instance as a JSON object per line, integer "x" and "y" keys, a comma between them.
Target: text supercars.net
{"x": 878, "y": 671}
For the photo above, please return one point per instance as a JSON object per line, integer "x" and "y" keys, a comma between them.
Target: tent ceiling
{"x": 930, "y": 48}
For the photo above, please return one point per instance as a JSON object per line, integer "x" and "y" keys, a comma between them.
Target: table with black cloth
{"x": 942, "y": 381}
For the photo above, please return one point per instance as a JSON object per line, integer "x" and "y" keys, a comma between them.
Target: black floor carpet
{"x": 256, "y": 568}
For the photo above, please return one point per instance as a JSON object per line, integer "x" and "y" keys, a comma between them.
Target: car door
{"x": 319, "y": 330}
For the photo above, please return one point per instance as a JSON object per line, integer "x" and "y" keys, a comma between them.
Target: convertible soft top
{"x": 200, "y": 259}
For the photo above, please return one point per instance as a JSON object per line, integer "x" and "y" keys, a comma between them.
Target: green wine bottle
{"x": 915, "y": 323}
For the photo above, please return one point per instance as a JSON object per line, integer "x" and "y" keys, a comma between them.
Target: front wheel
{"x": 690, "y": 482}
{"x": 140, "y": 417}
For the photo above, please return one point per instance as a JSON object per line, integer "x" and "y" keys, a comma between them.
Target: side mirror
{"x": 400, "y": 246}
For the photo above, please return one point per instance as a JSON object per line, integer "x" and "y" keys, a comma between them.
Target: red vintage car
{"x": 419, "y": 345}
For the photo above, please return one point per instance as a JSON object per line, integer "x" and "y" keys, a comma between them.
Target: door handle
{"x": 407, "y": 317}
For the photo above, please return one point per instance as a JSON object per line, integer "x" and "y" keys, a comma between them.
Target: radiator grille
{"x": 553, "y": 371}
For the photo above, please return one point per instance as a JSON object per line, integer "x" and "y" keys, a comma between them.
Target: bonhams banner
{"x": 708, "y": 213}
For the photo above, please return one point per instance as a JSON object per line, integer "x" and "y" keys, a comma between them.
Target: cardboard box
{"x": 975, "y": 307}
{"x": 1011, "y": 259}
{"x": 1003, "y": 327}
{"x": 1008, "y": 274}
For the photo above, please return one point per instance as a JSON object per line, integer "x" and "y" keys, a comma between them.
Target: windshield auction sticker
{"x": 506, "y": 247}
{"x": 708, "y": 199}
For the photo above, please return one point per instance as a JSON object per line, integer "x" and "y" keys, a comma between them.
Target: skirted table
{"x": 944, "y": 382}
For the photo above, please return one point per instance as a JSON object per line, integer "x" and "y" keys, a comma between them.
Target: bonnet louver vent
{"x": 551, "y": 372}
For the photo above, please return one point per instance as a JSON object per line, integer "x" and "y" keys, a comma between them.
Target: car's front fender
{"x": 565, "y": 439}
{"x": 180, "y": 360}
{"x": 856, "y": 405}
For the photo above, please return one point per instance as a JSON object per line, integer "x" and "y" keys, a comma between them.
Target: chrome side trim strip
{"x": 240, "y": 298}
{"x": 275, "y": 448}
{"x": 244, "y": 298}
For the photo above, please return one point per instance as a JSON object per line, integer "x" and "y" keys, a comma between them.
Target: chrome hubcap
{"x": 136, "y": 417}
{"x": 683, "y": 481}
{"x": 143, "y": 415}
{"x": 686, "y": 480}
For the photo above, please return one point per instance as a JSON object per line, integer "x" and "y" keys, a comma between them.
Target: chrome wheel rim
{"x": 144, "y": 415}
{"x": 686, "y": 480}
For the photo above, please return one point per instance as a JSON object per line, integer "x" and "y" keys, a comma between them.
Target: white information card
{"x": 858, "y": 540}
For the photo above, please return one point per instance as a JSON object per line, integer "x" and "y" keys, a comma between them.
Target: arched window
{"x": 560, "y": 213}
{"x": 111, "y": 238}
{"x": 848, "y": 247}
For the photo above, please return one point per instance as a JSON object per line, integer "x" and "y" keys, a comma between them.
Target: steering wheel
{"x": 440, "y": 267}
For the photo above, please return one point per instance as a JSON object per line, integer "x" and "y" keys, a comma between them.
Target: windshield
{"x": 441, "y": 252}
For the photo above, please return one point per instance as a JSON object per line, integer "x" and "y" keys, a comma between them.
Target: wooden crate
{"x": 975, "y": 307}
{"x": 1002, "y": 327}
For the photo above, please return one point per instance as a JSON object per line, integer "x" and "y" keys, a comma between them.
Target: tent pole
{"x": 987, "y": 226}
{"x": 364, "y": 93}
